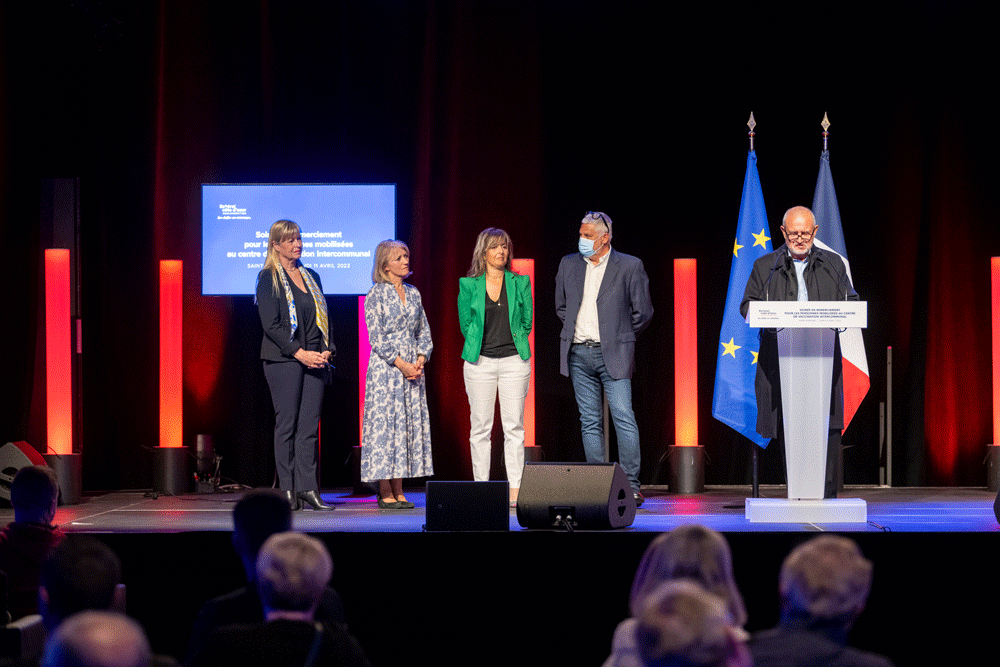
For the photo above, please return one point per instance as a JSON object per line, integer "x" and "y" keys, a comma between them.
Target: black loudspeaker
{"x": 996, "y": 507}
{"x": 13, "y": 457}
{"x": 589, "y": 496}
{"x": 462, "y": 506}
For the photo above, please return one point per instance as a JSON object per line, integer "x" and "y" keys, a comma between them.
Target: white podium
{"x": 806, "y": 338}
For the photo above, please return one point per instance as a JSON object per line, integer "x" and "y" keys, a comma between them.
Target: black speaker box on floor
{"x": 594, "y": 496}
{"x": 467, "y": 506}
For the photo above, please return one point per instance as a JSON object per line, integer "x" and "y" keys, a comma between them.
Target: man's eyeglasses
{"x": 805, "y": 236}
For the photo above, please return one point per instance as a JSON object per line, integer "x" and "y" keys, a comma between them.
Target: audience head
{"x": 97, "y": 639}
{"x": 292, "y": 572}
{"x": 682, "y": 625}
{"x": 256, "y": 517}
{"x": 34, "y": 493}
{"x": 826, "y": 579}
{"x": 80, "y": 574}
{"x": 689, "y": 552}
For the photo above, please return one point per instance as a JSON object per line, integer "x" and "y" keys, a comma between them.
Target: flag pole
{"x": 755, "y": 491}
{"x": 826, "y": 129}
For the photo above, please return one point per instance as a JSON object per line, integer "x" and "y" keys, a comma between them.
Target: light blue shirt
{"x": 800, "y": 268}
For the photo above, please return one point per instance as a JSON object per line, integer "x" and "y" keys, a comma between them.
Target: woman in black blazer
{"x": 296, "y": 352}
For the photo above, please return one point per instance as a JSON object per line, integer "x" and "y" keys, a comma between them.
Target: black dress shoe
{"x": 313, "y": 499}
{"x": 292, "y": 500}
{"x": 384, "y": 504}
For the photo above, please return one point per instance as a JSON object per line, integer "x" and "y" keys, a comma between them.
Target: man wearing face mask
{"x": 798, "y": 271}
{"x": 602, "y": 298}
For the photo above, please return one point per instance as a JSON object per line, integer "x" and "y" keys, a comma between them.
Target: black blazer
{"x": 273, "y": 311}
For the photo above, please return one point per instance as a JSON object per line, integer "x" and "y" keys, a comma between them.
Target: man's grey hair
{"x": 292, "y": 571}
{"x": 97, "y": 639}
{"x": 600, "y": 221}
{"x": 826, "y": 578}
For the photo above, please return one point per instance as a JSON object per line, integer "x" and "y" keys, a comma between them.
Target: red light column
{"x": 685, "y": 354}
{"x": 171, "y": 354}
{"x": 58, "y": 365}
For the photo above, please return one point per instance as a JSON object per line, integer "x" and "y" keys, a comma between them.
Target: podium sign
{"x": 806, "y": 339}
{"x": 805, "y": 314}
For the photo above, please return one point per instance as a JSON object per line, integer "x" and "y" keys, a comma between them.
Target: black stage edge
{"x": 545, "y": 598}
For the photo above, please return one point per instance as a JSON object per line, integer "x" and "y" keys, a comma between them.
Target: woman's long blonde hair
{"x": 690, "y": 552}
{"x": 489, "y": 238}
{"x": 281, "y": 231}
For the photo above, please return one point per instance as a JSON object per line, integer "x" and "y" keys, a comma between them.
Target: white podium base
{"x": 784, "y": 510}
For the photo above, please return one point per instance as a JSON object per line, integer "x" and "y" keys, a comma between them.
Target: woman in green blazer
{"x": 494, "y": 313}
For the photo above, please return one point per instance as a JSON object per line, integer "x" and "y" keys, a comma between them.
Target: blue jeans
{"x": 589, "y": 376}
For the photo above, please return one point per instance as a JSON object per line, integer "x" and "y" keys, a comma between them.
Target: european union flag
{"x": 734, "y": 402}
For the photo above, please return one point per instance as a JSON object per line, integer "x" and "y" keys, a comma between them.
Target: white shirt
{"x": 588, "y": 326}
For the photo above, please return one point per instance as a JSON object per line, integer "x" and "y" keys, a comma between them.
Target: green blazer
{"x": 472, "y": 312}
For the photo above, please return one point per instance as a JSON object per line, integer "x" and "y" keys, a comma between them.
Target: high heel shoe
{"x": 292, "y": 500}
{"x": 314, "y": 500}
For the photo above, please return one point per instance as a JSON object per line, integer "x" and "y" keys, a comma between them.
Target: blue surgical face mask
{"x": 586, "y": 247}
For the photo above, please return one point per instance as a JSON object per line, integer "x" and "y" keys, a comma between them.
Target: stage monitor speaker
{"x": 467, "y": 506}
{"x": 13, "y": 457}
{"x": 588, "y": 496}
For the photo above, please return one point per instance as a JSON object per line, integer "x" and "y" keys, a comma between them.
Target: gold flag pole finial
{"x": 826, "y": 129}
{"x": 751, "y": 124}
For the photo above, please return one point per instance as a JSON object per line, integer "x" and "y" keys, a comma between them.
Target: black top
{"x": 277, "y": 343}
{"x": 307, "y": 332}
{"x": 497, "y": 339}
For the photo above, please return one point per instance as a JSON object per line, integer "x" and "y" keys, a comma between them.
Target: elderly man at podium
{"x": 798, "y": 271}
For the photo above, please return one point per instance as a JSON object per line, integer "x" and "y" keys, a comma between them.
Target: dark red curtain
{"x": 522, "y": 116}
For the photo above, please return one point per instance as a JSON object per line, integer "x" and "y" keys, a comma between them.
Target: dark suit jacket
{"x": 242, "y": 606}
{"x": 280, "y": 642}
{"x": 472, "y": 313}
{"x": 273, "y": 311}
{"x": 623, "y": 309}
{"x": 773, "y": 279}
{"x": 794, "y": 645}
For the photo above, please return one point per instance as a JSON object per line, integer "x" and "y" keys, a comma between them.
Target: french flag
{"x": 831, "y": 237}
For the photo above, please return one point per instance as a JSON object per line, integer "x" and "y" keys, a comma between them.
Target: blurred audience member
{"x": 26, "y": 542}
{"x": 82, "y": 574}
{"x": 292, "y": 572}
{"x": 824, "y": 586}
{"x": 689, "y": 552}
{"x": 97, "y": 639}
{"x": 681, "y": 624}
{"x": 256, "y": 517}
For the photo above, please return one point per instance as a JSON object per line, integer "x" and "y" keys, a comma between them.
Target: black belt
{"x": 589, "y": 343}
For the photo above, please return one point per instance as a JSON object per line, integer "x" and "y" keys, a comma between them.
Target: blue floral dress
{"x": 396, "y": 431}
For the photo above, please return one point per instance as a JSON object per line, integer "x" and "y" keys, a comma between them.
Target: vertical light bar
{"x": 527, "y": 267}
{"x": 171, "y": 353}
{"x": 685, "y": 353}
{"x": 364, "y": 352}
{"x": 58, "y": 365}
{"x": 995, "y": 280}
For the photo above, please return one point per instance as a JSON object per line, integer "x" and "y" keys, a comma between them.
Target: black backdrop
{"x": 520, "y": 115}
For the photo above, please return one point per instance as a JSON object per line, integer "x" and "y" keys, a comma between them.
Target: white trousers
{"x": 483, "y": 380}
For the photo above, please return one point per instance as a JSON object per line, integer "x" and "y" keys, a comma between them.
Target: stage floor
{"x": 722, "y": 508}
